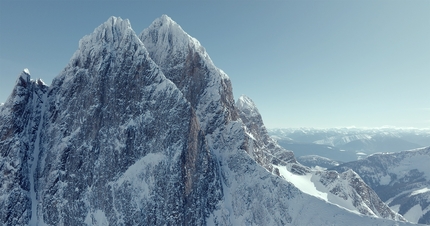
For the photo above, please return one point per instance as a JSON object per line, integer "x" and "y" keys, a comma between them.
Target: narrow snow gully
{"x": 33, "y": 162}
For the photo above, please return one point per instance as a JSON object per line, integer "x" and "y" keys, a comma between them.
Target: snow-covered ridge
{"x": 115, "y": 35}
{"x": 110, "y": 31}
{"x": 185, "y": 62}
{"x": 245, "y": 103}
{"x": 345, "y": 190}
{"x": 401, "y": 179}
{"x": 171, "y": 40}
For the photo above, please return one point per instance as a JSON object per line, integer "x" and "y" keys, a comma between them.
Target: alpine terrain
{"x": 401, "y": 179}
{"x": 144, "y": 130}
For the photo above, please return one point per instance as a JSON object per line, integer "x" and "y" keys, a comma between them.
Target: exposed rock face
{"x": 136, "y": 126}
{"x": 144, "y": 131}
{"x": 266, "y": 147}
{"x": 400, "y": 179}
{"x": 185, "y": 62}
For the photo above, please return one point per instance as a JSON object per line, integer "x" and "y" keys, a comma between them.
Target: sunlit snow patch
{"x": 414, "y": 214}
{"x": 302, "y": 182}
{"x": 310, "y": 184}
{"x": 420, "y": 191}
{"x": 96, "y": 218}
{"x": 27, "y": 71}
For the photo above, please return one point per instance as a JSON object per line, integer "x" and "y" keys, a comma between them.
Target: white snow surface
{"x": 96, "y": 218}
{"x": 310, "y": 184}
{"x": 302, "y": 182}
{"x": 420, "y": 191}
{"x": 26, "y": 71}
{"x": 414, "y": 213}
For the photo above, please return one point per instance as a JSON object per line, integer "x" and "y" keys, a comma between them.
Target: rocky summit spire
{"x": 164, "y": 39}
{"x": 113, "y": 40}
{"x": 20, "y": 119}
{"x": 185, "y": 62}
{"x": 246, "y": 105}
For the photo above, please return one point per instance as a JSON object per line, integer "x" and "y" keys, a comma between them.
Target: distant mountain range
{"x": 349, "y": 144}
{"x": 388, "y": 161}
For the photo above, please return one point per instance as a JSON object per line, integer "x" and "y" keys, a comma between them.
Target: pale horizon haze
{"x": 309, "y": 63}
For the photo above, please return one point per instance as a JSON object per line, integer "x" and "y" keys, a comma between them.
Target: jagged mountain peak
{"x": 164, "y": 19}
{"x": 24, "y": 86}
{"x": 112, "y": 28}
{"x": 111, "y": 45}
{"x": 185, "y": 62}
{"x": 21, "y": 88}
{"x": 165, "y": 38}
{"x": 114, "y": 35}
{"x": 251, "y": 117}
{"x": 26, "y": 71}
{"x": 23, "y": 78}
{"x": 245, "y": 103}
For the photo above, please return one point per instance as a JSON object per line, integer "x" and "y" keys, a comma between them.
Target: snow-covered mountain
{"x": 144, "y": 130}
{"x": 346, "y": 190}
{"x": 400, "y": 179}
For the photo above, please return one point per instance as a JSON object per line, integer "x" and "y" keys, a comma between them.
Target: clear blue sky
{"x": 304, "y": 63}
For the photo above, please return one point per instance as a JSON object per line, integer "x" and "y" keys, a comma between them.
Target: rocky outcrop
{"x": 20, "y": 120}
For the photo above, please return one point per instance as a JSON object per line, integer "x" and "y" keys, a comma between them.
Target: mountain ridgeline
{"x": 401, "y": 179}
{"x": 144, "y": 130}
